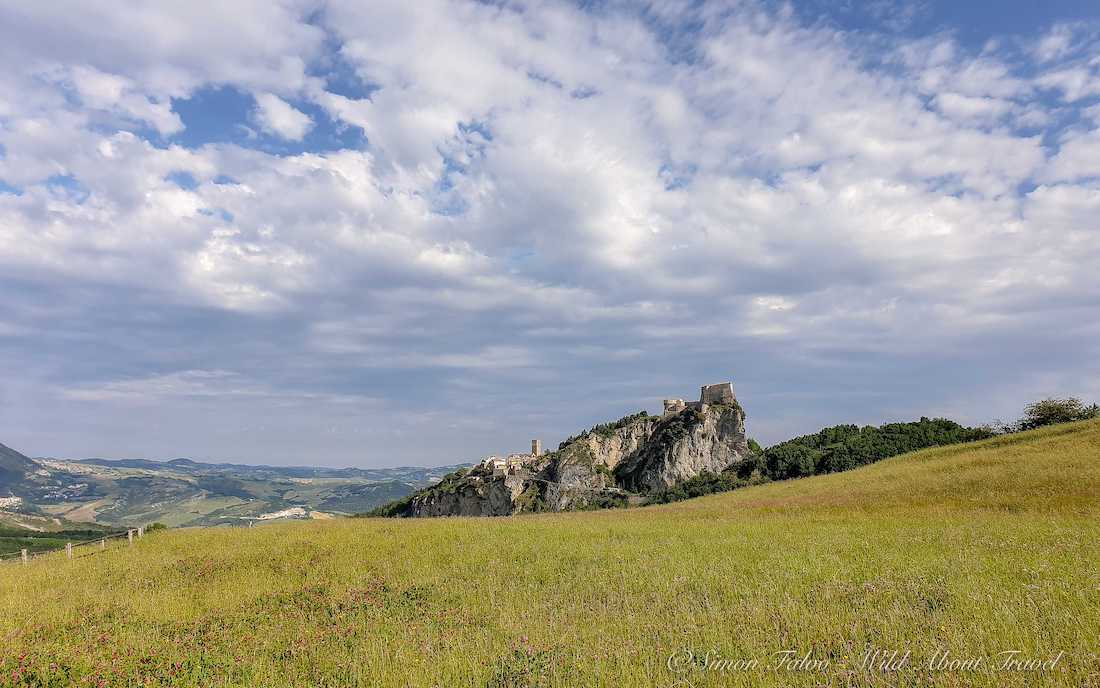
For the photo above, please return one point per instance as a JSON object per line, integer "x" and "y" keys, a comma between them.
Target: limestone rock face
{"x": 474, "y": 496}
{"x": 684, "y": 445}
{"x": 607, "y": 465}
{"x": 611, "y": 448}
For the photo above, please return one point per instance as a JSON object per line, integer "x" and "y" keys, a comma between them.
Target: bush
{"x": 1052, "y": 411}
{"x": 703, "y": 484}
{"x": 751, "y": 465}
{"x": 155, "y": 526}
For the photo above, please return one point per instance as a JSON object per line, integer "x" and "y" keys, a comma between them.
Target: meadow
{"x": 953, "y": 555}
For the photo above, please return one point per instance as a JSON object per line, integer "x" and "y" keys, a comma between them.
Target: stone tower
{"x": 536, "y": 447}
{"x": 721, "y": 393}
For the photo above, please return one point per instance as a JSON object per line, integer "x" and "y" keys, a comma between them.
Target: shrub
{"x": 751, "y": 465}
{"x": 703, "y": 484}
{"x": 1052, "y": 411}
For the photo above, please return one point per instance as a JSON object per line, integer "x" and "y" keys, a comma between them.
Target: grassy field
{"x": 969, "y": 550}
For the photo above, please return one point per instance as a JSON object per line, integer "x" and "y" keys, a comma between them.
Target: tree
{"x": 1051, "y": 411}
{"x": 790, "y": 460}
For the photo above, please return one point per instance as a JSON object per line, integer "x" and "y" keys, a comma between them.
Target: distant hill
{"x": 13, "y": 466}
{"x": 46, "y": 492}
{"x": 405, "y": 473}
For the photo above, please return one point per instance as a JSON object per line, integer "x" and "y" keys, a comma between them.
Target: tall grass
{"x": 971, "y": 550}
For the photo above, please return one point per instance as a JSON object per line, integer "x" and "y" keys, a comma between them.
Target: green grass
{"x": 973, "y": 549}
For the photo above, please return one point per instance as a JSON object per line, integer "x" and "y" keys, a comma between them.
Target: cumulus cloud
{"x": 275, "y": 115}
{"x": 1078, "y": 157}
{"x": 554, "y": 214}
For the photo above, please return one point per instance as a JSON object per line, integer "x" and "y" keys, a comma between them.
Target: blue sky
{"x": 340, "y": 233}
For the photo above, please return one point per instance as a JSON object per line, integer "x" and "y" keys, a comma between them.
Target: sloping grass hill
{"x": 954, "y": 555}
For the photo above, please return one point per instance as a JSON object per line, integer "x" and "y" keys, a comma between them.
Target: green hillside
{"x": 13, "y": 466}
{"x": 970, "y": 550}
{"x": 56, "y": 493}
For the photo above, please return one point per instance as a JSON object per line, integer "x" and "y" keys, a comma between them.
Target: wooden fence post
{"x": 130, "y": 536}
{"x": 69, "y": 549}
{"x": 141, "y": 532}
{"x": 23, "y": 553}
{"x": 103, "y": 543}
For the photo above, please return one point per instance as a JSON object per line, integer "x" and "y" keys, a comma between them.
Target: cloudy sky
{"x": 381, "y": 233}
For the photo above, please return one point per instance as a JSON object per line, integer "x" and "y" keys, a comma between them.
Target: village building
{"x": 513, "y": 463}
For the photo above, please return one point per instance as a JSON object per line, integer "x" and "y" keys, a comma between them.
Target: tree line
{"x": 843, "y": 447}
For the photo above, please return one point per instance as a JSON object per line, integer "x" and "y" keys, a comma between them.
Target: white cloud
{"x": 1075, "y": 83}
{"x": 962, "y": 107}
{"x": 173, "y": 48}
{"x": 199, "y": 386}
{"x": 98, "y": 90}
{"x": 536, "y": 186}
{"x": 275, "y": 115}
{"x": 1056, "y": 43}
{"x": 1078, "y": 157}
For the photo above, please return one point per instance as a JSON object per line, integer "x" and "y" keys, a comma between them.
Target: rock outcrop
{"x": 685, "y": 444}
{"x": 469, "y": 494}
{"x": 609, "y": 465}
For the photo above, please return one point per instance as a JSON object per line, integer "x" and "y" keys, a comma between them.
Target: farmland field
{"x": 959, "y": 556}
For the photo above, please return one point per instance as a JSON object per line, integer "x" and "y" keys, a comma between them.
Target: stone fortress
{"x": 719, "y": 393}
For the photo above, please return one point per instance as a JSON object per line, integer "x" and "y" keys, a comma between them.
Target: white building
{"x": 513, "y": 462}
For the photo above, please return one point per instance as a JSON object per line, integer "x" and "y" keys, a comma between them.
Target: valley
{"x": 55, "y": 493}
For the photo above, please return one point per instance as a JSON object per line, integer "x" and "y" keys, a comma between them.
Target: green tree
{"x": 791, "y": 461}
{"x": 1051, "y": 411}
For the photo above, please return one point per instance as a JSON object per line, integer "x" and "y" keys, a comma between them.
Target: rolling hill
{"x": 958, "y": 556}
{"x": 53, "y": 493}
{"x": 13, "y": 465}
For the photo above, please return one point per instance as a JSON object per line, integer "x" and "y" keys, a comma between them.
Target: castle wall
{"x": 721, "y": 393}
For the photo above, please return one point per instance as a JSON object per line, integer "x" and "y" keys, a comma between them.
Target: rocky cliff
{"x": 609, "y": 465}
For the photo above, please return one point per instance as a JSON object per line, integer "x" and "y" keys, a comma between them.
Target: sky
{"x": 341, "y": 233}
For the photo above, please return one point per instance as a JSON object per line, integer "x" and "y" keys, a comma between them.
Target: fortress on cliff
{"x": 719, "y": 393}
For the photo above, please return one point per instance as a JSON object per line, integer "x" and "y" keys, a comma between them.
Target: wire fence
{"x": 86, "y": 548}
